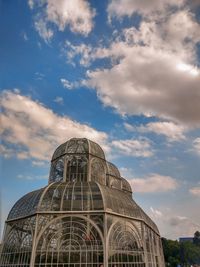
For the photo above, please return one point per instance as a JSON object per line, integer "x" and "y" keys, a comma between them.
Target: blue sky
{"x": 124, "y": 73}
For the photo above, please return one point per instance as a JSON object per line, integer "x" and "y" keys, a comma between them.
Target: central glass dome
{"x": 85, "y": 216}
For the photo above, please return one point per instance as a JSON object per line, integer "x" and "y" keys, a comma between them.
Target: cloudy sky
{"x": 124, "y": 73}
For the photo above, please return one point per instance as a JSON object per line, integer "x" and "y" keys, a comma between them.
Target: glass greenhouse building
{"x": 85, "y": 216}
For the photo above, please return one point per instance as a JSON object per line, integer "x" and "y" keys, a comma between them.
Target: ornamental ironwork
{"x": 85, "y": 216}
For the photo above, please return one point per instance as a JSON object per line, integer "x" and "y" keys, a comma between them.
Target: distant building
{"x": 84, "y": 217}
{"x": 185, "y": 239}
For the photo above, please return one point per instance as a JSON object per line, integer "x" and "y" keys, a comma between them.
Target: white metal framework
{"x": 84, "y": 217}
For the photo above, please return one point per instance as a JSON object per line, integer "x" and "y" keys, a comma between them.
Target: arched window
{"x": 125, "y": 247}
{"x": 70, "y": 241}
{"x": 77, "y": 169}
{"x": 17, "y": 246}
{"x": 98, "y": 171}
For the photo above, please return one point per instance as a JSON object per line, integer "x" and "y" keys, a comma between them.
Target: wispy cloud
{"x": 69, "y": 85}
{"x": 122, "y": 8}
{"x": 153, "y": 183}
{"x": 196, "y": 145}
{"x": 156, "y": 213}
{"x": 195, "y": 191}
{"x": 59, "y": 100}
{"x": 173, "y": 132}
{"x": 25, "y": 36}
{"x": 85, "y": 53}
{"x": 172, "y": 224}
{"x": 134, "y": 147}
{"x": 43, "y": 29}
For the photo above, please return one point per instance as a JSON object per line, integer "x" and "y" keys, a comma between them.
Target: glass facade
{"x": 85, "y": 216}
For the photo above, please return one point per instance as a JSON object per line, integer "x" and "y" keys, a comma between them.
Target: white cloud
{"x": 31, "y": 3}
{"x": 129, "y": 127}
{"x": 195, "y": 191}
{"x": 171, "y": 223}
{"x": 44, "y": 31}
{"x": 25, "y": 36}
{"x": 67, "y": 84}
{"x": 34, "y": 131}
{"x": 39, "y": 75}
{"x": 126, "y": 172}
{"x": 156, "y": 213}
{"x": 75, "y": 14}
{"x": 121, "y": 8}
{"x": 182, "y": 226}
{"x": 178, "y": 226}
{"x": 133, "y": 147}
{"x": 153, "y": 183}
{"x": 173, "y": 132}
{"x": 179, "y": 26}
{"x": 38, "y": 163}
{"x": 177, "y": 220}
{"x": 59, "y": 100}
{"x": 153, "y": 70}
{"x": 196, "y": 145}
{"x": 84, "y": 52}
{"x": 6, "y": 151}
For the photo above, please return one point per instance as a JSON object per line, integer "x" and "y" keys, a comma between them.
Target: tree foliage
{"x": 196, "y": 239}
{"x": 184, "y": 254}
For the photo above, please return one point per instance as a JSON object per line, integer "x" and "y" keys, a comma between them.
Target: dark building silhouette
{"x": 186, "y": 239}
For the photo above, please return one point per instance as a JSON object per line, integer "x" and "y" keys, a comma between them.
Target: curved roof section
{"x": 126, "y": 186}
{"x": 123, "y": 204}
{"x": 79, "y": 196}
{"x": 72, "y": 196}
{"x": 60, "y": 196}
{"x": 112, "y": 170}
{"x": 79, "y": 146}
{"x": 26, "y": 205}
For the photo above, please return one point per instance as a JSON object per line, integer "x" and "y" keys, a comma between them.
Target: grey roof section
{"x": 112, "y": 170}
{"x": 79, "y": 146}
{"x": 79, "y": 196}
{"x": 26, "y": 205}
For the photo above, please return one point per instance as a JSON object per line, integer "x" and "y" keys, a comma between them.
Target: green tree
{"x": 185, "y": 254}
{"x": 171, "y": 251}
{"x": 189, "y": 253}
{"x": 196, "y": 239}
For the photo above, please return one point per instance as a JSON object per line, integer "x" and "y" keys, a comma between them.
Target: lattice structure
{"x": 84, "y": 217}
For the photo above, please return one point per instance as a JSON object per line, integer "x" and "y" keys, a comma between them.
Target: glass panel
{"x": 98, "y": 172}
{"x": 125, "y": 247}
{"x": 26, "y": 205}
{"x": 70, "y": 241}
{"x": 77, "y": 169}
{"x": 57, "y": 169}
{"x": 17, "y": 245}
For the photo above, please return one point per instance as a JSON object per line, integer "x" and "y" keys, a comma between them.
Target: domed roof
{"x": 26, "y": 205}
{"x": 80, "y": 182}
{"x": 79, "y": 146}
{"x": 59, "y": 196}
{"x": 78, "y": 196}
